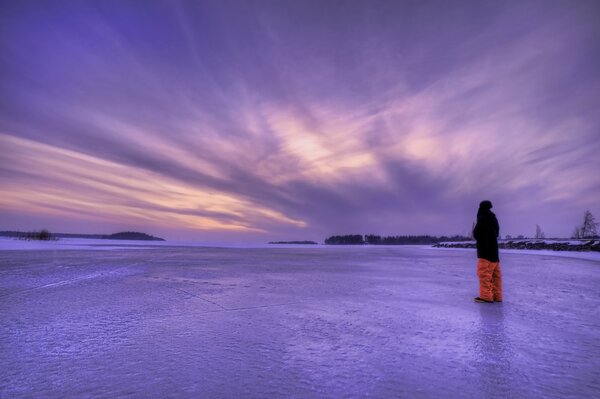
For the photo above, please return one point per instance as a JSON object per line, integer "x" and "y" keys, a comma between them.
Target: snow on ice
{"x": 164, "y": 321}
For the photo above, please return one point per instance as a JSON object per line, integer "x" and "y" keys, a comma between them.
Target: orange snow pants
{"x": 490, "y": 280}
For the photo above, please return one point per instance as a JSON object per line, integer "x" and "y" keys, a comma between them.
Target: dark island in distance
{"x": 46, "y": 235}
{"x": 132, "y": 235}
{"x": 306, "y": 242}
{"x": 372, "y": 239}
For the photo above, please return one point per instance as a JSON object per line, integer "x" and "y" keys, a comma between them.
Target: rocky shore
{"x": 554, "y": 245}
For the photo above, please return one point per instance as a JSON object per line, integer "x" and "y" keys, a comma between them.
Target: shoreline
{"x": 586, "y": 245}
{"x": 111, "y": 245}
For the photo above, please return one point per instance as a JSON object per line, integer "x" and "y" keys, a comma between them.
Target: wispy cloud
{"x": 67, "y": 183}
{"x": 298, "y": 120}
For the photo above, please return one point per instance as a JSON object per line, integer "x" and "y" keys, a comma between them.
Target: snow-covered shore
{"x": 294, "y": 322}
{"x": 534, "y": 244}
{"x": 587, "y": 255}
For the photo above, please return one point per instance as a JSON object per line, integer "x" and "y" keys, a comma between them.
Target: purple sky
{"x": 256, "y": 120}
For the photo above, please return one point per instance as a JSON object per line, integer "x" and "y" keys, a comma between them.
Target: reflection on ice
{"x": 494, "y": 352}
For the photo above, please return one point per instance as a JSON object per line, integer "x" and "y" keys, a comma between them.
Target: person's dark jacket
{"x": 486, "y": 233}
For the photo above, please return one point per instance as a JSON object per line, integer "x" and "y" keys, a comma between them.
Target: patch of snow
{"x": 587, "y": 255}
{"x": 9, "y": 243}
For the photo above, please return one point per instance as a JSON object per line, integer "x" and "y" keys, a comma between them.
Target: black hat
{"x": 485, "y": 204}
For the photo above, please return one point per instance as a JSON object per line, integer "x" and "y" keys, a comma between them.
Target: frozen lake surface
{"x": 157, "y": 322}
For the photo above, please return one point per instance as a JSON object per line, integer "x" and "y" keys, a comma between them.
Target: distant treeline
{"x": 358, "y": 239}
{"x": 45, "y": 235}
{"x": 42, "y": 235}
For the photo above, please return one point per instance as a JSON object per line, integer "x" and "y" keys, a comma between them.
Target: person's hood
{"x": 484, "y": 207}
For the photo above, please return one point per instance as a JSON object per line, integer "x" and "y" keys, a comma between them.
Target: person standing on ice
{"x": 486, "y": 233}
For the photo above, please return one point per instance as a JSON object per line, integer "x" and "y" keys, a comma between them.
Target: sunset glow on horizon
{"x": 296, "y": 120}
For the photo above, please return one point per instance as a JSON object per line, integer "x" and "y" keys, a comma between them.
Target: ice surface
{"x": 294, "y": 322}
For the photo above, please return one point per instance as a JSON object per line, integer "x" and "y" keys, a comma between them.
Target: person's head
{"x": 484, "y": 206}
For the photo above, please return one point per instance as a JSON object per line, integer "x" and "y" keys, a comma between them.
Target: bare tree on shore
{"x": 539, "y": 234}
{"x": 589, "y": 228}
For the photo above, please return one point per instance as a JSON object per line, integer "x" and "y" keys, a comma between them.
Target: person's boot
{"x": 481, "y": 300}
